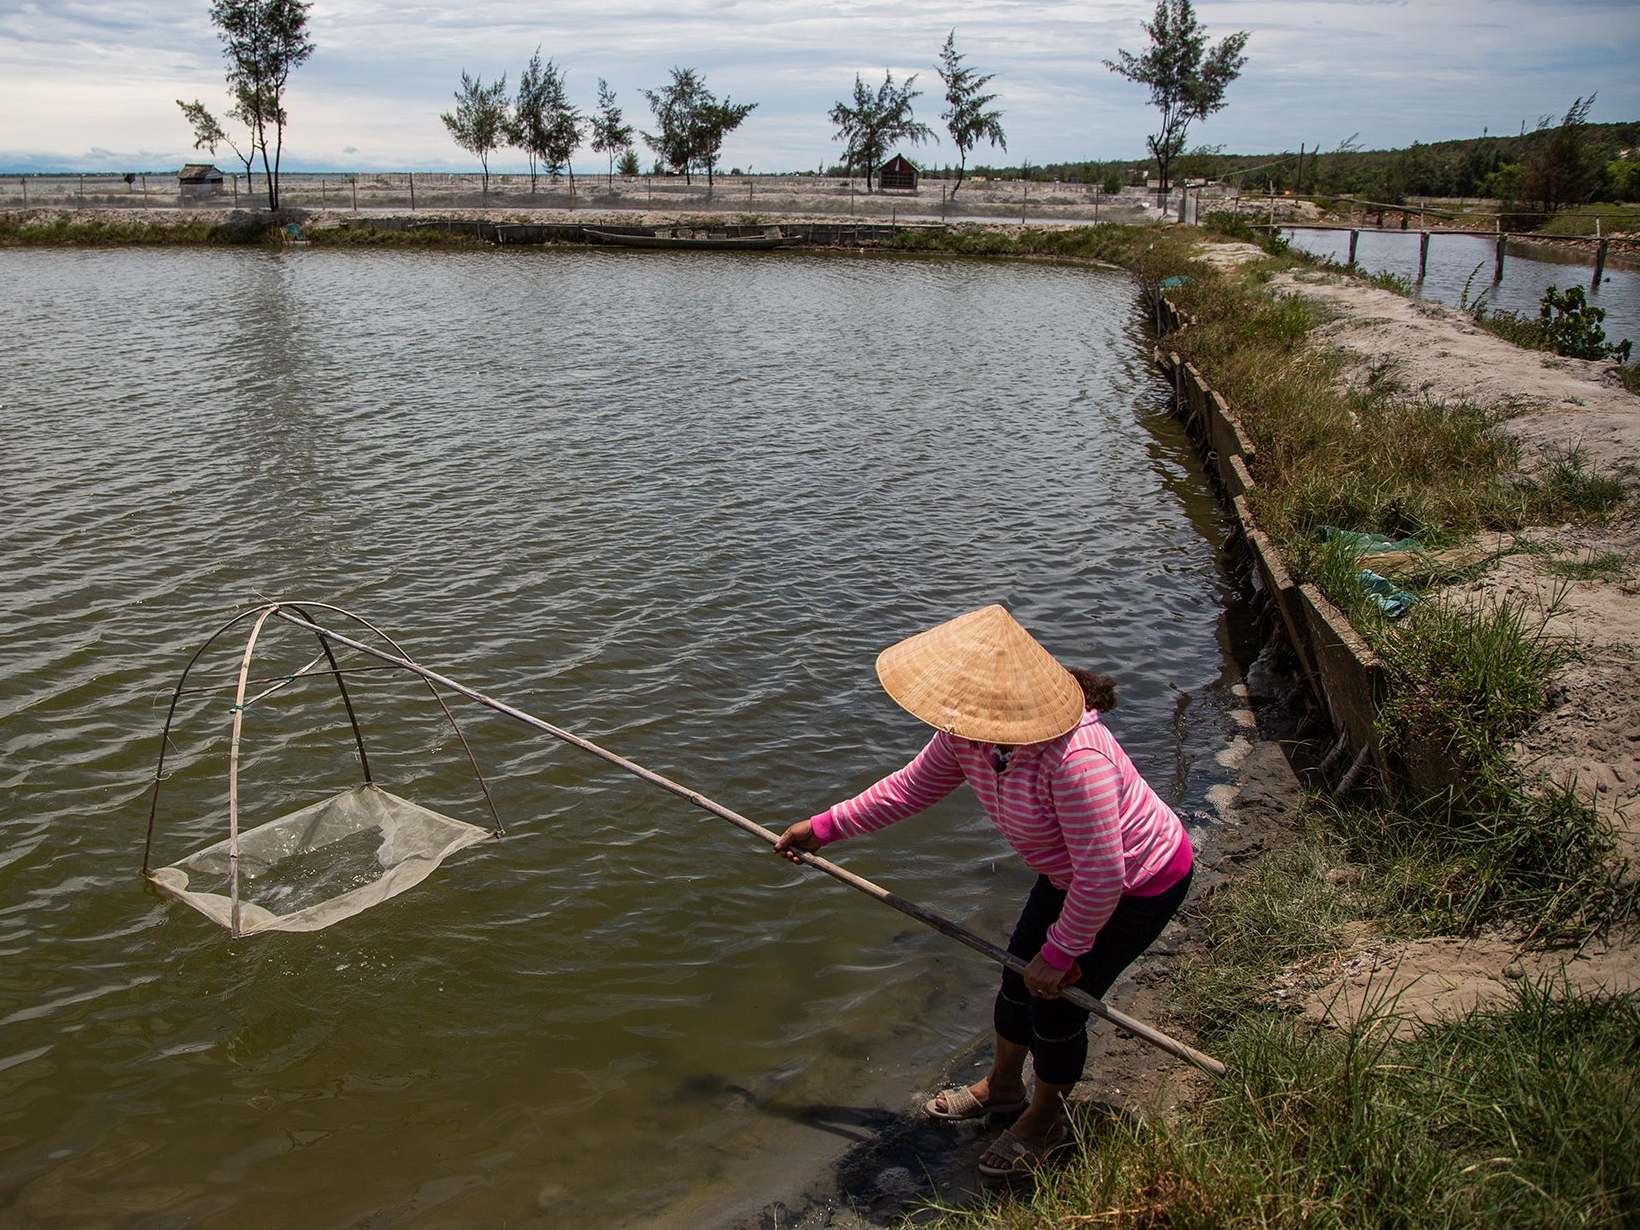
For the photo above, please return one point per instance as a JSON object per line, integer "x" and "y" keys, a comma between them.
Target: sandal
{"x": 960, "y": 1103}
{"x": 1009, "y": 1157}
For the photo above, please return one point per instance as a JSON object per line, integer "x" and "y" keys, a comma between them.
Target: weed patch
{"x": 1599, "y": 566}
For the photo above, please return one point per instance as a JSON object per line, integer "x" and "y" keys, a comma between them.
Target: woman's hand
{"x": 799, "y": 836}
{"x": 1044, "y": 981}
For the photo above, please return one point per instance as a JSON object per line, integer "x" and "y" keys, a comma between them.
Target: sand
{"x": 1415, "y": 981}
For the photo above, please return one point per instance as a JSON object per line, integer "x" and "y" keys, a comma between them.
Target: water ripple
{"x": 676, "y": 504}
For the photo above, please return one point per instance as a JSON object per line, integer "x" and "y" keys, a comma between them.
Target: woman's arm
{"x": 1086, "y": 795}
{"x": 934, "y": 774}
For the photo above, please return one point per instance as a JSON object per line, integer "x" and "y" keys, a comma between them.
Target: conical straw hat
{"x": 981, "y": 676}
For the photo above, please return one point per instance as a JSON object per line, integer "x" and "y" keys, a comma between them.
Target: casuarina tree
{"x": 676, "y": 107}
{"x": 480, "y": 123}
{"x": 714, "y": 121}
{"x": 610, "y": 133}
{"x": 1187, "y": 81}
{"x": 1563, "y": 164}
{"x": 209, "y": 133}
{"x": 264, "y": 41}
{"x": 968, "y": 114}
{"x": 628, "y": 165}
{"x": 876, "y": 120}
{"x": 528, "y": 125}
{"x": 563, "y": 125}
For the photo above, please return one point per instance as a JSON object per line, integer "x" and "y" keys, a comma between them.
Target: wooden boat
{"x": 662, "y": 239}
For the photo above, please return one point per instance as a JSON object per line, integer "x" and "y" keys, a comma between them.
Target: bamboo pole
{"x": 911, "y": 909}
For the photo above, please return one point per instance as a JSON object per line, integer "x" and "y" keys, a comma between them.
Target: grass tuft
{"x": 1523, "y": 1114}
{"x": 1598, "y": 566}
{"x": 1488, "y": 851}
{"x": 1463, "y": 679}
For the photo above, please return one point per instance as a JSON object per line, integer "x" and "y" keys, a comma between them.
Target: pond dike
{"x": 534, "y": 234}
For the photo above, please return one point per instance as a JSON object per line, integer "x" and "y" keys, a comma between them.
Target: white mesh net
{"x": 321, "y": 864}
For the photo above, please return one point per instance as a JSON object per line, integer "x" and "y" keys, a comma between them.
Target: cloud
{"x": 78, "y": 77}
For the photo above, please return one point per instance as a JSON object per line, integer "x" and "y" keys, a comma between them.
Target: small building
{"x": 898, "y": 174}
{"x": 199, "y": 181}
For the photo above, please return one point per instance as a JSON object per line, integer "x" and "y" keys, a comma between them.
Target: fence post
{"x": 24, "y": 181}
{"x": 235, "y": 178}
{"x": 355, "y": 182}
{"x": 412, "y": 192}
{"x": 82, "y": 190}
{"x": 324, "y": 196}
{"x": 1497, "y": 271}
{"x": 1599, "y": 262}
{"x": 1354, "y": 238}
{"x": 1423, "y": 254}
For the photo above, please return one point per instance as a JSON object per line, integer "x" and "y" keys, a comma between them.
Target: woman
{"x": 1113, "y": 862}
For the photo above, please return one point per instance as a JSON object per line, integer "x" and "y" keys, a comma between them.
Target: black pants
{"x": 1056, "y": 1031}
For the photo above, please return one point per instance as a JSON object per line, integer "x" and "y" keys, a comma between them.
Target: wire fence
{"x": 1018, "y": 200}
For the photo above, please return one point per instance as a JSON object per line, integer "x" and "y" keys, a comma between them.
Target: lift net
{"x": 321, "y": 864}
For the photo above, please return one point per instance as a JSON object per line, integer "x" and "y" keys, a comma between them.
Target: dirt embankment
{"x": 1589, "y": 578}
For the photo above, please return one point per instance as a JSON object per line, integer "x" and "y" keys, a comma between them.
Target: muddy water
{"x": 675, "y": 503}
{"x": 1460, "y": 264}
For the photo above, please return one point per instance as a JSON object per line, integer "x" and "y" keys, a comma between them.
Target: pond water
{"x": 1453, "y": 261}
{"x": 675, "y": 502}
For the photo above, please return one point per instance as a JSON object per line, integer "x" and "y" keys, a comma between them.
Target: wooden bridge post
{"x": 1355, "y": 237}
{"x": 1423, "y": 254}
{"x": 1497, "y": 270}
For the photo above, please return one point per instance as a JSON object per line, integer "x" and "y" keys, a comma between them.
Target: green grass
{"x": 58, "y": 229}
{"x": 1365, "y": 459}
{"x": 368, "y": 236}
{"x": 1464, "y": 679}
{"x": 1524, "y": 1114}
{"x": 1141, "y": 248}
{"x": 1539, "y": 861}
{"x": 1568, "y": 488}
{"x": 1580, "y": 221}
{"x": 1597, "y": 566}
{"x": 1277, "y": 912}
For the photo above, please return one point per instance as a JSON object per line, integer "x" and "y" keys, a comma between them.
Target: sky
{"x": 92, "y": 84}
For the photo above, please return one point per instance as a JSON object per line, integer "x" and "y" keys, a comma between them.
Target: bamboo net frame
{"x": 309, "y": 621}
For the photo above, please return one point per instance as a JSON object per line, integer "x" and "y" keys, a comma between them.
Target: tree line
{"x": 691, "y": 123}
{"x": 264, "y": 41}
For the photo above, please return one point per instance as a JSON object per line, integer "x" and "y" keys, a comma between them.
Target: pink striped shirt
{"x": 1074, "y": 808}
